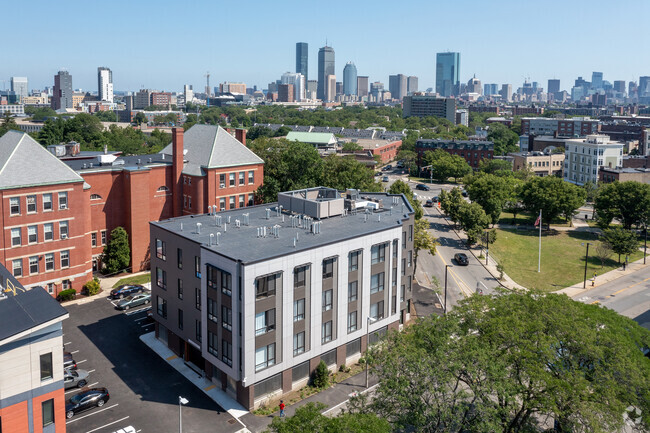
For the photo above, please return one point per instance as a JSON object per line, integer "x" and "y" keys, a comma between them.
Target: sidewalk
{"x": 106, "y": 285}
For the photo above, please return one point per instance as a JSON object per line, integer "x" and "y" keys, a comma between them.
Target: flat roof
{"x": 244, "y": 244}
{"x": 26, "y": 310}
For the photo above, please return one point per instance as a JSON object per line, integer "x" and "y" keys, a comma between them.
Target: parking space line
{"x": 69, "y": 342}
{"x": 83, "y": 360}
{"x": 90, "y": 371}
{"x": 92, "y": 384}
{"x": 132, "y": 312}
{"x": 140, "y": 319}
{"x": 146, "y": 324}
{"x": 91, "y": 414}
{"x": 106, "y": 425}
{"x": 74, "y": 351}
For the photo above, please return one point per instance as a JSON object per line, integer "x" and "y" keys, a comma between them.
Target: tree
{"x": 628, "y": 202}
{"x": 140, "y": 118}
{"x": 158, "y": 140}
{"x": 282, "y": 131}
{"x": 321, "y": 377}
{"x": 351, "y": 147}
{"x": 506, "y": 362}
{"x": 473, "y": 219}
{"x": 450, "y": 203}
{"x": 620, "y": 241}
{"x": 494, "y": 166}
{"x": 445, "y": 165}
{"x": 258, "y": 131}
{"x": 39, "y": 113}
{"x": 422, "y": 240}
{"x": 190, "y": 120}
{"x": 603, "y": 252}
{"x": 8, "y": 123}
{"x": 117, "y": 254}
{"x": 106, "y": 116}
{"x": 553, "y": 196}
{"x": 408, "y": 157}
{"x": 504, "y": 139}
{"x": 346, "y": 172}
{"x": 492, "y": 192}
{"x": 401, "y": 187}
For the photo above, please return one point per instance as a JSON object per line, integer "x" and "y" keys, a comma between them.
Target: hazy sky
{"x": 164, "y": 44}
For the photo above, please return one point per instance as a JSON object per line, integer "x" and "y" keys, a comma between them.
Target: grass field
{"x": 563, "y": 258}
{"x": 138, "y": 279}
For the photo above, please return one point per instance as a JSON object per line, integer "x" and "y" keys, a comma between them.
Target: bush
{"x": 321, "y": 378}
{"x": 67, "y": 295}
{"x": 501, "y": 271}
{"x": 92, "y": 287}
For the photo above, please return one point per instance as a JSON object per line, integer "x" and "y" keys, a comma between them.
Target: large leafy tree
{"x": 450, "y": 202}
{"x": 629, "y": 202}
{"x": 117, "y": 253}
{"x": 505, "y": 140}
{"x": 508, "y": 362}
{"x": 346, "y": 172}
{"x": 423, "y": 240}
{"x": 553, "y": 196}
{"x": 495, "y": 166}
{"x": 7, "y": 123}
{"x": 473, "y": 219}
{"x": 620, "y": 240}
{"x": 401, "y": 187}
{"x": 445, "y": 165}
{"x": 492, "y": 192}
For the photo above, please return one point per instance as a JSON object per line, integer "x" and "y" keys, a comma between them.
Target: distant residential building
{"x": 142, "y": 99}
{"x": 385, "y": 149}
{"x": 412, "y": 84}
{"x": 188, "y": 93}
{"x": 62, "y": 97}
{"x": 397, "y": 86}
{"x": 330, "y": 88}
{"x": 362, "y": 86}
{"x": 609, "y": 175}
{"x": 13, "y": 109}
{"x": 475, "y": 108}
{"x": 462, "y": 117}
{"x": 519, "y": 110}
{"x": 20, "y": 86}
{"x": 298, "y": 82}
{"x": 105, "y": 84}
{"x": 302, "y": 59}
{"x": 472, "y": 151}
{"x": 161, "y": 98}
{"x": 232, "y": 88}
{"x": 350, "y": 79}
{"x": 40, "y": 99}
{"x": 572, "y": 127}
{"x": 447, "y": 74}
{"x": 423, "y": 106}
{"x": 285, "y": 93}
{"x": 585, "y": 157}
{"x": 326, "y": 65}
{"x": 506, "y": 92}
{"x": 540, "y": 163}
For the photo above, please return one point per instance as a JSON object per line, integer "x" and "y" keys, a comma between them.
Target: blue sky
{"x": 165, "y": 44}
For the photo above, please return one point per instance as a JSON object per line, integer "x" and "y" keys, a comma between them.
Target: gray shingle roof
{"x": 213, "y": 147}
{"x": 27, "y": 310}
{"x": 24, "y": 162}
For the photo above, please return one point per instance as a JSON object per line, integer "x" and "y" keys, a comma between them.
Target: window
{"x": 161, "y": 249}
{"x": 410, "y": 260}
{"x": 222, "y": 204}
{"x": 222, "y": 180}
{"x": 298, "y": 310}
{"x": 47, "y": 371}
{"x": 377, "y": 310}
{"x": 16, "y": 238}
{"x": 32, "y": 234}
{"x": 394, "y": 277}
{"x": 402, "y": 293}
{"x": 242, "y": 177}
{"x": 226, "y": 352}
{"x": 212, "y": 310}
{"x": 403, "y": 267}
{"x": 63, "y": 200}
{"x": 65, "y": 259}
{"x": 197, "y": 266}
{"x": 93, "y": 239}
{"x": 49, "y": 262}
{"x": 404, "y": 240}
{"x": 242, "y": 200}
{"x": 212, "y": 343}
{"x": 326, "y": 332}
{"x": 197, "y": 298}
{"x": 47, "y": 202}
{"x": 299, "y": 276}
{"x": 395, "y": 248}
{"x": 103, "y": 236}
{"x": 265, "y": 322}
{"x": 251, "y": 199}
{"x": 65, "y": 284}
{"x": 265, "y": 357}
{"x": 378, "y": 253}
{"x": 162, "y": 307}
{"x": 33, "y": 265}
{"x": 48, "y": 412}
{"x": 180, "y": 289}
{"x": 179, "y": 258}
{"x": 328, "y": 268}
{"x": 377, "y": 283}
{"x": 48, "y": 231}
{"x": 14, "y": 206}
{"x": 299, "y": 343}
{"x": 353, "y": 289}
{"x": 197, "y": 330}
{"x": 352, "y": 321}
{"x": 327, "y": 299}
{"x": 265, "y": 286}
{"x": 31, "y": 204}
{"x": 232, "y": 179}
{"x": 231, "y": 202}
{"x": 180, "y": 319}
{"x": 161, "y": 278}
{"x": 410, "y": 232}
{"x": 63, "y": 229}
{"x": 226, "y": 317}
{"x": 353, "y": 261}
{"x": 17, "y": 267}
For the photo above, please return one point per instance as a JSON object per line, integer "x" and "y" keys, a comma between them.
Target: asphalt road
{"x": 143, "y": 388}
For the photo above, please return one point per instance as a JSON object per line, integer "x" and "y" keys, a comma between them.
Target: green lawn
{"x": 138, "y": 279}
{"x": 563, "y": 258}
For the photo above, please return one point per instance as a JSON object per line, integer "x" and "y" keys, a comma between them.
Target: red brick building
{"x": 472, "y": 151}
{"x": 161, "y": 98}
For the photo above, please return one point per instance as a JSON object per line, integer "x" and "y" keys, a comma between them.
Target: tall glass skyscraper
{"x": 302, "y": 59}
{"x": 447, "y": 73}
{"x": 350, "y": 79}
{"x": 325, "y": 68}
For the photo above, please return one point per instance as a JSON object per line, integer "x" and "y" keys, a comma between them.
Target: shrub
{"x": 501, "y": 271}
{"x": 321, "y": 377}
{"x": 92, "y": 287}
{"x": 67, "y": 295}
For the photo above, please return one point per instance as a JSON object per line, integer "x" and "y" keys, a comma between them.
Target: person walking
{"x": 282, "y": 409}
{"x": 593, "y": 280}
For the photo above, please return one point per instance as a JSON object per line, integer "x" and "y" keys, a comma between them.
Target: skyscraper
{"x": 397, "y": 86}
{"x": 62, "y": 97}
{"x": 596, "y": 80}
{"x": 506, "y": 92}
{"x": 350, "y": 79}
{"x": 325, "y": 68}
{"x": 644, "y": 86}
{"x": 302, "y": 58}
{"x": 362, "y": 86}
{"x": 105, "y": 84}
{"x": 447, "y": 73}
{"x": 553, "y": 86}
{"x": 298, "y": 82}
{"x": 619, "y": 86}
{"x": 412, "y": 84}
{"x": 20, "y": 87}
{"x": 330, "y": 88}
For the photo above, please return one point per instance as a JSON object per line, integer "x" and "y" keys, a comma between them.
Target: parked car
{"x": 422, "y": 187}
{"x": 133, "y": 301}
{"x": 435, "y": 199}
{"x": 93, "y": 397}
{"x": 461, "y": 259}
{"x": 428, "y": 203}
{"x": 388, "y": 167}
{"x": 379, "y": 173}
{"x": 68, "y": 362}
{"x": 385, "y": 179}
{"x": 126, "y": 290}
{"x": 75, "y": 378}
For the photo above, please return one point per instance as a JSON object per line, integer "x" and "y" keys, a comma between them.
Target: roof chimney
{"x": 240, "y": 135}
{"x": 177, "y": 169}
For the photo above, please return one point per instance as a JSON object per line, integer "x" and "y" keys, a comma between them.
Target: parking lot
{"x": 144, "y": 390}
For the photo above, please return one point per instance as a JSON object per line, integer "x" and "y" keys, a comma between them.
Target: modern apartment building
{"x": 105, "y": 84}
{"x": 585, "y": 157}
{"x": 573, "y": 127}
{"x": 398, "y": 86}
{"x": 62, "y": 97}
{"x": 20, "y": 86}
{"x": 256, "y": 298}
{"x": 423, "y": 106}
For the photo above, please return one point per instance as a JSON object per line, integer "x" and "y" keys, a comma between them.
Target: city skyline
{"x": 258, "y": 60}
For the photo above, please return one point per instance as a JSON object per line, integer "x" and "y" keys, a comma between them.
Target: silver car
{"x": 134, "y": 301}
{"x": 75, "y": 378}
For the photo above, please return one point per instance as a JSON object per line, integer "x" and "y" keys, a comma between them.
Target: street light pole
{"x": 446, "y": 267}
{"x": 181, "y": 402}
{"x": 645, "y": 242}
{"x": 368, "y": 322}
{"x": 584, "y": 285}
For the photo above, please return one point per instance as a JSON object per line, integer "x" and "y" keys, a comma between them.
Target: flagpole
{"x": 539, "y": 260}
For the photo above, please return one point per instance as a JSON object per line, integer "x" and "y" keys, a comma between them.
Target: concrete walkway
{"x": 106, "y": 284}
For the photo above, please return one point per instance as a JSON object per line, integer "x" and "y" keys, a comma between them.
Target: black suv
{"x": 422, "y": 187}
{"x": 461, "y": 259}
{"x": 126, "y": 290}
{"x": 93, "y": 397}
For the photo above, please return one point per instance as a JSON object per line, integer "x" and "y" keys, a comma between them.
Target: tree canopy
{"x": 553, "y": 196}
{"x": 423, "y": 240}
{"x": 445, "y": 165}
{"x": 628, "y": 202}
{"x": 492, "y": 192}
{"x": 504, "y": 139}
{"x": 117, "y": 253}
{"x": 7, "y": 123}
{"x": 620, "y": 241}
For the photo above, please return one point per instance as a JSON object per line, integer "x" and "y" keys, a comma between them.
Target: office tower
{"x": 553, "y": 86}
{"x": 619, "y": 86}
{"x": 312, "y": 89}
{"x": 188, "y": 93}
{"x": 474, "y": 85}
{"x": 596, "y": 80}
{"x": 490, "y": 89}
{"x": 302, "y": 59}
{"x": 506, "y": 92}
{"x": 447, "y": 73}
{"x": 339, "y": 88}
{"x": 105, "y": 84}
{"x": 62, "y": 97}
{"x": 377, "y": 90}
{"x": 397, "y": 86}
{"x": 19, "y": 86}
{"x": 325, "y": 68}
{"x": 298, "y": 82}
{"x": 350, "y": 79}
{"x": 362, "y": 86}
{"x": 423, "y": 106}
{"x": 412, "y": 84}
{"x": 330, "y": 88}
{"x": 644, "y": 86}
{"x": 632, "y": 89}
{"x": 142, "y": 99}
{"x": 285, "y": 93}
